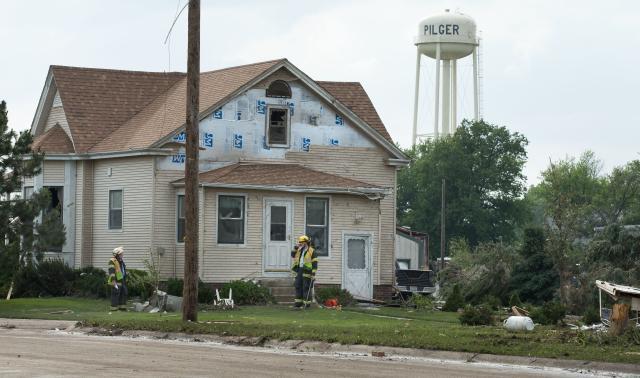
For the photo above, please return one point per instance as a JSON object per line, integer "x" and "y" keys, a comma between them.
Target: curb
{"x": 304, "y": 346}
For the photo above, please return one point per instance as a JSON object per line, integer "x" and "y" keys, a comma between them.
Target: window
{"x": 180, "y": 219}
{"x": 57, "y": 201}
{"x": 27, "y": 192}
{"x": 279, "y": 89}
{"x": 278, "y": 127}
{"x": 317, "y": 224}
{"x": 403, "y": 264}
{"x": 230, "y": 220}
{"x": 115, "y": 209}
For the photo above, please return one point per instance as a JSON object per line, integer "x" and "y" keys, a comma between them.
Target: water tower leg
{"x": 414, "y": 135}
{"x": 475, "y": 84}
{"x": 437, "y": 96}
{"x": 454, "y": 96}
{"x": 446, "y": 97}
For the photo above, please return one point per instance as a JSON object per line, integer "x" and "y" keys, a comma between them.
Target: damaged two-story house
{"x": 281, "y": 155}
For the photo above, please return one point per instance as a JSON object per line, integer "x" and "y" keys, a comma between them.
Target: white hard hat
{"x": 118, "y": 251}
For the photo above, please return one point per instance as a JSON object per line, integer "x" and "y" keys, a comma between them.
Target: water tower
{"x": 446, "y": 38}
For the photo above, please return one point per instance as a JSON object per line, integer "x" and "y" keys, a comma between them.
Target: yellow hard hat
{"x": 303, "y": 239}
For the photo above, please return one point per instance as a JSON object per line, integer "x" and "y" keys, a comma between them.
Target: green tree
{"x": 534, "y": 279}
{"x": 28, "y": 226}
{"x": 482, "y": 165}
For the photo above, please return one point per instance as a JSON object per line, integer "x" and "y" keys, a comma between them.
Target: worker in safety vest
{"x": 304, "y": 266}
{"x": 118, "y": 280}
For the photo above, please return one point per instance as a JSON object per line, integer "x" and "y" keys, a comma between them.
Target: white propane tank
{"x": 518, "y": 323}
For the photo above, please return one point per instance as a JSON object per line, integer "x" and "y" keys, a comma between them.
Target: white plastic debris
{"x": 518, "y": 323}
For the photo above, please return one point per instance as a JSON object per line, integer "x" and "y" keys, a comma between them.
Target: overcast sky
{"x": 563, "y": 73}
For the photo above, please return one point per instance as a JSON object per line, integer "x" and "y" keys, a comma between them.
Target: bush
{"x": 205, "y": 294}
{"x": 514, "y": 300}
{"x": 139, "y": 283}
{"x": 342, "y": 295}
{"x": 454, "y": 300}
{"x": 174, "y": 286}
{"x": 550, "y": 313}
{"x": 591, "y": 316}
{"x": 492, "y": 302}
{"x": 27, "y": 282}
{"x": 90, "y": 282}
{"x": 476, "y": 315}
{"x": 422, "y": 302}
{"x": 247, "y": 293}
{"x": 55, "y": 277}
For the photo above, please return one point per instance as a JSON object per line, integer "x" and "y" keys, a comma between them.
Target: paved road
{"x": 38, "y": 352}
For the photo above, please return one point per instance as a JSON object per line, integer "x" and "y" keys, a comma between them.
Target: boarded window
{"x": 278, "y": 127}
{"x": 317, "y": 224}
{"x": 231, "y": 220}
{"x": 180, "y": 220}
{"x": 115, "y": 209}
{"x": 279, "y": 89}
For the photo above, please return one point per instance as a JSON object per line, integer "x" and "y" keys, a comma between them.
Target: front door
{"x": 277, "y": 235}
{"x": 356, "y": 271}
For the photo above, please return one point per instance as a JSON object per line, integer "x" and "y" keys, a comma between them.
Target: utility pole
{"x": 190, "y": 288}
{"x": 442, "y": 230}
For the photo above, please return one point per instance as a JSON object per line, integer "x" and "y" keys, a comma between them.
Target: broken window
{"x": 231, "y": 220}
{"x": 278, "y": 127}
{"x": 317, "y": 224}
{"x": 181, "y": 219}
{"x": 279, "y": 89}
{"x": 115, "y": 209}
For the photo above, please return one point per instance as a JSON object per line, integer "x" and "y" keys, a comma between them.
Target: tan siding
{"x": 80, "y": 177}
{"x": 84, "y": 213}
{"x": 57, "y": 117}
{"x": 172, "y": 261}
{"x": 135, "y": 177}
{"x": 27, "y": 181}
{"x": 53, "y": 172}
{"x": 363, "y": 164}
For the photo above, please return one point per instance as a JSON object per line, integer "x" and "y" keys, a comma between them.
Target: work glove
{"x": 115, "y": 286}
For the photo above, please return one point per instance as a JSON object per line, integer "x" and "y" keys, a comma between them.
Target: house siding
{"x": 367, "y": 165}
{"x": 135, "y": 177}
{"x": 164, "y": 221}
{"x": 53, "y": 173}
{"x": 57, "y": 116}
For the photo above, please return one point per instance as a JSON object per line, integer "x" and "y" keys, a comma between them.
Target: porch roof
{"x": 286, "y": 178}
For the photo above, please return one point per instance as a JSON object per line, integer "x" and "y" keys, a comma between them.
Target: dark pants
{"x": 303, "y": 287}
{"x": 119, "y": 296}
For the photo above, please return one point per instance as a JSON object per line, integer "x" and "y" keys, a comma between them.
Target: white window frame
{"x": 245, "y": 223}
{"x": 121, "y": 229}
{"x": 330, "y": 205}
{"x": 267, "y": 122}
{"x": 24, "y": 191}
{"x": 178, "y": 195}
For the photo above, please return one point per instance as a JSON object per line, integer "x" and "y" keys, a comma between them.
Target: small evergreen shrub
{"x": 514, "y": 300}
{"x": 454, "y": 300}
{"x": 422, "y": 302}
{"x": 90, "y": 282}
{"x": 174, "y": 286}
{"x": 205, "y": 294}
{"x": 139, "y": 283}
{"x": 55, "y": 277}
{"x": 492, "y": 302}
{"x": 476, "y": 315}
{"x": 247, "y": 293}
{"x": 27, "y": 282}
{"x": 342, "y": 295}
{"x": 550, "y": 313}
{"x": 591, "y": 316}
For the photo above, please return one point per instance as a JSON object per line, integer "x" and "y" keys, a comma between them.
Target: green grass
{"x": 416, "y": 329}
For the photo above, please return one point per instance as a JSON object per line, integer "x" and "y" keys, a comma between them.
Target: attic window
{"x": 279, "y": 89}
{"x": 278, "y": 127}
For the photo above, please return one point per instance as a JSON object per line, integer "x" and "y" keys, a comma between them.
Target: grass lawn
{"x": 386, "y": 326}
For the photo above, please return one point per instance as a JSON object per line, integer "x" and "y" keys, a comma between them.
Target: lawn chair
{"x": 223, "y": 302}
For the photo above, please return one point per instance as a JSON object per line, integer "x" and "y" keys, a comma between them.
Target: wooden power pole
{"x": 190, "y": 288}
{"x": 442, "y": 220}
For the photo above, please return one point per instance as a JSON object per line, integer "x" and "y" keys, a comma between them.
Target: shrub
{"x": 422, "y": 302}
{"x": 205, "y": 294}
{"x": 342, "y": 295}
{"x": 514, "y": 300}
{"x": 55, "y": 277}
{"x": 139, "y": 283}
{"x": 454, "y": 300}
{"x": 247, "y": 293}
{"x": 90, "y": 282}
{"x": 174, "y": 286}
{"x": 492, "y": 302}
{"x": 550, "y": 313}
{"x": 591, "y": 316}
{"x": 476, "y": 315}
{"x": 27, "y": 282}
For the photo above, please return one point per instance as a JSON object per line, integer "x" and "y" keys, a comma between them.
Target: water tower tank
{"x": 454, "y": 31}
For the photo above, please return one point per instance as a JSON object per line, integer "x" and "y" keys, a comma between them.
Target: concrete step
{"x": 284, "y": 299}
{"x": 276, "y": 282}
{"x": 284, "y": 290}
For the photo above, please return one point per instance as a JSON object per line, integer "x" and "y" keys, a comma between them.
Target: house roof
{"x": 283, "y": 177}
{"x": 114, "y": 110}
{"x": 55, "y": 140}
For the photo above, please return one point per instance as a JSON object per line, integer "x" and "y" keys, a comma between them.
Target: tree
{"x": 26, "y": 237}
{"x": 482, "y": 165}
{"x": 534, "y": 279}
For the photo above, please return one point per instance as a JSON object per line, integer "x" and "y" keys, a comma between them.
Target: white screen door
{"x": 356, "y": 273}
{"x": 277, "y": 235}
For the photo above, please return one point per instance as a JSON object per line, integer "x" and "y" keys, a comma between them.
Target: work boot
{"x": 298, "y": 303}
